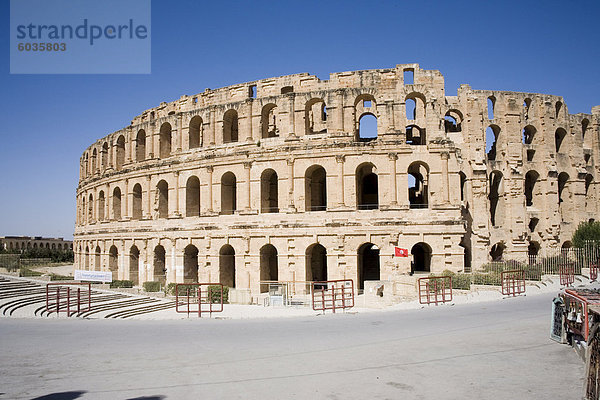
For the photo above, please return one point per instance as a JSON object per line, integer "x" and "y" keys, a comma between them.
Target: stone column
{"x": 247, "y": 167}
{"x": 249, "y": 120}
{"x": 290, "y": 163}
{"x": 341, "y": 201}
{"x": 125, "y": 196}
{"x": 445, "y": 183}
{"x": 212, "y": 130}
{"x": 393, "y": 179}
{"x": 179, "y": 136}
{"x": 149, "y": 196}
{"x": 210, "y": 170}
{"x": 176, "y": 212}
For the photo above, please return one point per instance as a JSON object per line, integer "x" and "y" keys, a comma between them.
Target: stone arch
{"x": 496, "y": 198}
{"x": 269, "y": 269}
{"x": 94, "y": 161}
{"x": 315, "y": 116}
{"x": 230, "y": 126}
{"x": 421, "y": 257}
{"x": 91, "y": 208}
{"x": 531, "y": 179}
{"x": 365, "y": 117}
{"x": 120, "y": 153}
{"x": 195, "y": 132}
{"x": 137, "y": 202}
{"x": 116, "y": 203}
{"x": 227, "y": 266}
{"x": 497, "y": 251}
{"x": 134, "y": 265}
{"x": 86, "y": 257}
{"x": 268, "y": 121}
{"x": 113, "y": 262}
{"x": 559, "y": 138}
{"x": 97, "y": 259}
{"x": 315, "y": 188}
{"x": 140, "y": 146}
{"x": 190, "y": 264}
{"x": 418, "y": 185}
{"x": 533, "y": 250}
{"x": 415, "y": 106}
{"x": 269, "y": 198}
{"x": 159, "y": 265}
{"x": 164, "y": 140}
{"x": 367, "y": 127}
{"x": 101, "y": 205}
{"x": 558, "y": 107}
{"x": 463, "y": 185}
{"x": 228, "y": 193}
{"x": 192, "y": 197}
{"x": 316, "y": 263}
{"x": 453, "y": 121}
{"x": 492, "y": 135}
{"x": 528, "y": 134}
{"x": 104, "y": 156}
{"x": 367, "y": 187}
{"x": 162, "y": 203}
{"x": 368, "y": 264}
{"x": 491, "y": 107}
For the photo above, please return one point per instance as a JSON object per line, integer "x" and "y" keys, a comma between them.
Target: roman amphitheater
{"x": 300, "y": 179}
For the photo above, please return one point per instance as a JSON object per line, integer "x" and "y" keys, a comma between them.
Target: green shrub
{"x": 151, "y": 286}
{"x": 487, "y": 278}
{"x": 56, "y": 277}
{"x": 121, "y": 284}
{"x": 29, "y": 272}
{"x": 586, "y": 232}
{"x": 214, "y": 292}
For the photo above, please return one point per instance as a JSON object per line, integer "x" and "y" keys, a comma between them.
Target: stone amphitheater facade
{"x": 280, "y": 179}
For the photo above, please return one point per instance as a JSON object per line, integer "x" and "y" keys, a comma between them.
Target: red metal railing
{"x": 594, "y": 270}
{"x": 332, "y": 295}
{"x": 566, "y": 272}
{"x": 435, "y": 289}
{"x": 513, "y": 282}
{"x": 199, "y": 298}
{"x": 577, "y": 302}
{"x": 72, "y": 297}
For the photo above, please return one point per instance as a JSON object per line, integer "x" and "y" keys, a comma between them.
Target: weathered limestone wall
{"x": 228, "y": 172}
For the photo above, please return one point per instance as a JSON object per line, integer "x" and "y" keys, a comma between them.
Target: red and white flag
{"x": 400, "y": 252}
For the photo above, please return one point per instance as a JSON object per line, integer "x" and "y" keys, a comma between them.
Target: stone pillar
{"x": 212, "y": 129}
{"x": 291, "y": 127}
{"x": 176, "y": 212}
{"x": 210, "y": 170}
{"x": 247, "y": 205}
{"x": 179, "y": 135}
{"x": 249, "y": 120}
{"x": 393, "y": 179}
{"x": 341, "y": 201}
{"x": 125, "y": 197}
{"x": 149, "y": 196}
{"x": 290, "y": 163}
{"x": 445, "y": 183}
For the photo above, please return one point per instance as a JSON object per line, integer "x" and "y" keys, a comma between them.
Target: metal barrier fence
{"x": 513, "y": 282}
{"x": 594, "y": 270}
{"x": 332, "y": 295}
{"x": 75, "y": 297}
{"x": 199, "y": 298}
{"x": 435, "y": 289}
{"x": 567, "y": 274}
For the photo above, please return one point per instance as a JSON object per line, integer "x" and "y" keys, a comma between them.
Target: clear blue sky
{"x": 48, "y": 120}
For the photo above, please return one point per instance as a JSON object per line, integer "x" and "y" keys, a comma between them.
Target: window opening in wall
{"x": 411, "y": 109}
{"x": 497, "y": 252}
{"x": 559, "y": 137}
{"x": 530, "y": 154}
{"x": 558, "y": 106}
{"x": 409, "y": 76}
{"x": 526, "y": 107}
{"x": 527, "y": 134}
{"x": 367, "y": 129}
{"x": 415, "y": 136}
{"x": 315, "y": 189}
{"x": 368, "y": 264}
{"x": 584, "y": 126}
{"x": 366, "y": 103}
{"x": 533, "y": 224}
{"x": 252, "y": 91}
{"x": 287, "y": 89}
{"x": 463, "y": 184}
{"x": 491, "y": 103}
{"x": 227, "y": 266}
{"x": 195, "y": 100}
{"x": 586, "y": 158}
{"x": 269, "y": 268}
{"x": 367, "y": 187}
{"x": 491, "y": 139}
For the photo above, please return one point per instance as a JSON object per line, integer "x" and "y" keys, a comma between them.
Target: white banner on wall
{"x": 93, "y": 276}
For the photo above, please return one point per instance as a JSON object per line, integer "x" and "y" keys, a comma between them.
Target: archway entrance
{"x": 134, "y": 265}
{"x": 190, "y": 264}
{"x": 269, "y": 270}
{"x": 421, "y": 262}
{"x": 316, "y": 263}
{"x": 227, "y": 266}
{"x": 160, "y": 269}
{"x": 368, "y": 264}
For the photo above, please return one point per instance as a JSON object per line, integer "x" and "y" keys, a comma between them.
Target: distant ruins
{"x": 281, "y": 179}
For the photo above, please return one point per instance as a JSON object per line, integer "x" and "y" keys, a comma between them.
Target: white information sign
{"x": 93, "y": 276}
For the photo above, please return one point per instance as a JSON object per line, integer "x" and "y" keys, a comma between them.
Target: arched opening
{"x": 230, "y": 126}
{"x": 192, "y": 197}
{"x": 113, "y": 262}
{"x": 194, "y": 138}
{"x": 269, "y": 192}
{"x": 269, "y": 270}
{"x": 97, "y": 259}
{"x": 559, "y": 137}
{"x": 565, "y": 203}
{"x": 563, "y": 180}
{"x": 418, "y": 185}
{"x": 453, "y": 121}
{"x": 120, "y": 153}
{"x": 116, "y": 204}
{"x": 137, "y": 202}
{"x": 497, "y": 251}
{"x": 421, "y": 258}
{"x": 165, "y": 140}
{"x": 528, "y": 134}
{"x": 315, "y": 114}
{"x": 496, "y": 198}
{"x": 228, "y": 193}
{"x": 367, "y": 127}
{"x": 532, "y": 251}
{"x": 94, "y": 165}
{"x": 463, "y": 185}
{"x": 367, "y": 187}
{"x": 526, "y": 107}
{"x": 491, "y": 104}
{"x": 415, "y": 135}
{"x": 134, "y": 265}
{"x": 533, "y": 224}
{"x": 530, "y": 182}
{"x": 558, "y": 107}
{"x": 190, "y": 264}
{"x": 91, "y": 209}
{"x": 268, "y": 121}
{"x": 101, "y": 205}
{"x": 86, "y": 259}
{"x": 160, "y": 269}
{"x": 566, "y": 245}
{"x": 316, "y": 263}
{"x": 162, "y": 192}
{"x": 315, "y": 188}
{"x": 104, "y": 156}
{"x": 227, "y": 266}
{"x": 584, "y": 125}
{"x": 411, "y": 109}
{"x": 140, "y": 146}
{"x": 492, "y": 133}
{"x": 588, "y": 182}
{"x": 408, "y": 76}
{"x": 368, "y": 264}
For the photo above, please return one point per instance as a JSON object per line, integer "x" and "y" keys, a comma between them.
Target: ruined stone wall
{"x": 257, "y": 181}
